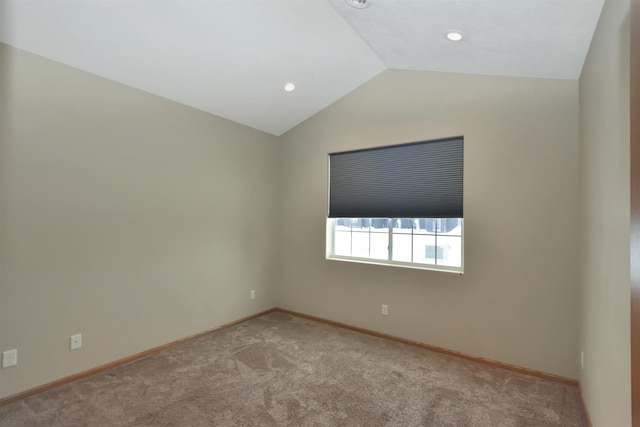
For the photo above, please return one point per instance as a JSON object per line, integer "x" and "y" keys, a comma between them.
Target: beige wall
{"x": 136, "y": 221}
{"x": 604, "y": 177}
{"x": 516, "y": 302}
{"x": 125, "y": 217}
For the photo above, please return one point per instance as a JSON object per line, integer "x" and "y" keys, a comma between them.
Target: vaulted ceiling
{"x": 232, "y": 58}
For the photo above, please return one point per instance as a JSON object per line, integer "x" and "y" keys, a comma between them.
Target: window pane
{"x": 361, "y": 224}
{"x": 403, "y": 225}
{"x": 342, "y": 242}
{"x": 423, "y": 249}
{"x": 451, "y": 247}
{"x": 380, "y": 245}
{"x": 423, "y": 226}
{"x": 343, "y": 224}
{"x": 451, "y": 226}
{"x": 428, "y": 225}
{"x": 380, "y": 225}
{"x": 402, "y": 247}
{"x": 360, "y": 243}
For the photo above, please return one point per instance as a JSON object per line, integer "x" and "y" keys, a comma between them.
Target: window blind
{"x": 417, "y": 180}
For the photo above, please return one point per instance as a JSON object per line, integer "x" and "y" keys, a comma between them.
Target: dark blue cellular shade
{"x": 418, "y": 180}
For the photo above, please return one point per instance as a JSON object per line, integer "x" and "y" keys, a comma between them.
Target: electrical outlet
{"x": 252, "y": 294}
{"x": 9, "y": 358}
{"x": 582, "y": 360}
{"x": 385, "y": 310}
{"x": 75, "y": 342}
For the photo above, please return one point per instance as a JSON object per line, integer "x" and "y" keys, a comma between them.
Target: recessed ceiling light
{"x": 454, "y": 36}
{"x": 358, "y": 4}
{"x": 289, "y": 87}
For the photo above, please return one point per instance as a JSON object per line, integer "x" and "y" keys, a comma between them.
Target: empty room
{"x": 317, "y": 212}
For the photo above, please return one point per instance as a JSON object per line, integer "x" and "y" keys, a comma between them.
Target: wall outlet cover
{"x": 9, "y": 358}
{"x": 75, "y": 342}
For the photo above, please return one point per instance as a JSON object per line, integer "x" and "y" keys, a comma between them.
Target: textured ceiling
{"x": 232, "y": 58}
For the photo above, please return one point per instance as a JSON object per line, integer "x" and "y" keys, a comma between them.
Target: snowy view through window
{"x": 428, "y": 242}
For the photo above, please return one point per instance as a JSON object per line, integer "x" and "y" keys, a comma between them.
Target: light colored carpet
{"x": 281, "y": 370}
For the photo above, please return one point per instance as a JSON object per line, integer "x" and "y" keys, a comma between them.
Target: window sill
{"x": 387, "y": 263}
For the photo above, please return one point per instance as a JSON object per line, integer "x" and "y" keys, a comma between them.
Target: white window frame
{"x": 330, "y": 251}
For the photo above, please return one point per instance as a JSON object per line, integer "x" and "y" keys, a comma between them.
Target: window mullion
{"x": 412, "y": 225}
{"x": 369, "y": 221}
{"x": 390, "y": 235}
{"x": 435, "y": 255}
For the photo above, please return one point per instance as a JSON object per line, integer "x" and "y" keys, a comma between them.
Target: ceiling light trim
{"x": 455, "y": 35}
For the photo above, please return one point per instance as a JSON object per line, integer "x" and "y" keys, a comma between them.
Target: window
{"x": 433, "y": 243}
{"x": 398, "y": 205}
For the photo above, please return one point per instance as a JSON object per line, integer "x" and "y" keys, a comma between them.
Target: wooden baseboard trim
{"x": 442, "y": 350}
{"x": 124, "y": 360}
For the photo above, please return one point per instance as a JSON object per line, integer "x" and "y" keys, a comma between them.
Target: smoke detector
{"x": 358, "y": 4}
